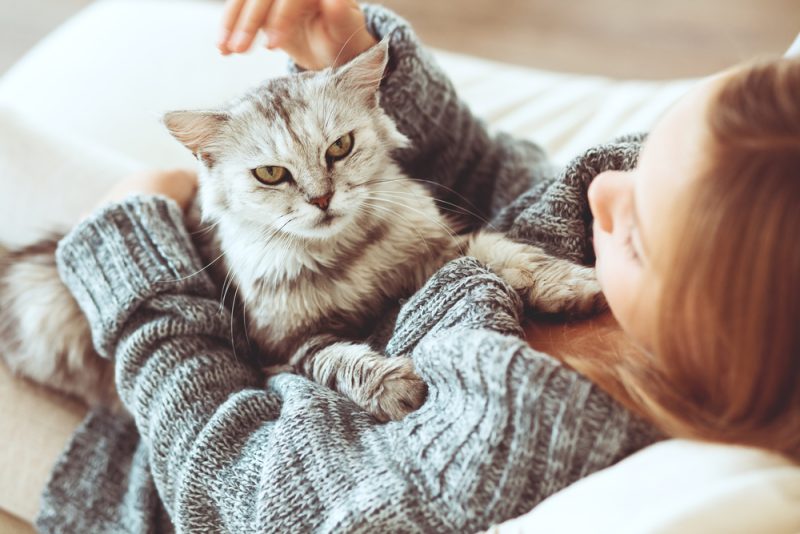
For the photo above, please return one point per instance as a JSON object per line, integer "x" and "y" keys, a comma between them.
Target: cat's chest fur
{"x": 294, "y": 289}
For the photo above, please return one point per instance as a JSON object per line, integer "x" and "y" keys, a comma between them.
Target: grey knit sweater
{"x": 213, "y": 447}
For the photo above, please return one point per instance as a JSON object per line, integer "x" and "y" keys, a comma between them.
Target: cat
{"x": 315, "y": 226}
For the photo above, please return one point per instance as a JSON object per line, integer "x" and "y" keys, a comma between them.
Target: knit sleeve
{"x": 450, "y": 149}
{"x": 132, "y": 269}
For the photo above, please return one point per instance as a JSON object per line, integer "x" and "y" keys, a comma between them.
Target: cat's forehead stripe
{"x": 280, "y": 102}
{"x": 283, "y": 113}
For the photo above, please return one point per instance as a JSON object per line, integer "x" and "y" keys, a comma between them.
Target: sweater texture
{"x": 214, "y": 447}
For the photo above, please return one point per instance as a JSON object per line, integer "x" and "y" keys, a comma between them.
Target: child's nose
{"x": 603, "y": 192}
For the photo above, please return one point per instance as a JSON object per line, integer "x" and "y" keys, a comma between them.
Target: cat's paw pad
{"x": 397, "y": 390}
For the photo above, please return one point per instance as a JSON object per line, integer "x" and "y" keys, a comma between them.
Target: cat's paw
{"x": 387, "y": 388}
{"x": 546, "y": 283}
{"x": 557, "y": 287}
{"x": 393, "y": 390}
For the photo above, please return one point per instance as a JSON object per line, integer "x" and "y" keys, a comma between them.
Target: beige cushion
{"x": 35, "y": 425}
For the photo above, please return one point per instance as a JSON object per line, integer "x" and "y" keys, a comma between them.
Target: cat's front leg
{"x": 546, "y": 283}
{"x": 387, "y": 388}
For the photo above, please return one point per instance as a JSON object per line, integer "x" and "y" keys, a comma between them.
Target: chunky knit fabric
{"x": 212, "y": 447}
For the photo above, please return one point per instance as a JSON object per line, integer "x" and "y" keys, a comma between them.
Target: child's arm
{"x": 449, "y": 146}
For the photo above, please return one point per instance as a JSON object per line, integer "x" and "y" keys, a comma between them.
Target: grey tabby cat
{"x": 319, "y": 231}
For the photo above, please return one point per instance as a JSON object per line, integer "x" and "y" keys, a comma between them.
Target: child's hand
{"x": 179, "y": 185}
{"x": 315, "y": 33}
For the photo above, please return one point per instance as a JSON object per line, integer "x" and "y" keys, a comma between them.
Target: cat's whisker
{"x": 233, "y": 312}
{"x": 430, "y": 182}
{"x": 413, "y": 227}
{"x": 245, "y": 326}
{"x": 329, "y": 75}
{"x": 455, "y": 207}
{"x": 229, "y": 280}
{"x": 267, "y": 242}
{"x": 395, "y": 214}
{"x": 433, "y": 220}
{"x": 406, "y": 205}
{"x": 215, "y": 260}
{"x": 347, "y": 42}
{"x": 205, "y": 229}
{"x": 226, "y": 284}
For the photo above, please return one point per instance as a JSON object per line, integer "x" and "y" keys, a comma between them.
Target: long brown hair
{"x": 725, "y": 362}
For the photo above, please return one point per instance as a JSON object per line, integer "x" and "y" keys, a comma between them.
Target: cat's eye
{"x": 271, "y": 175}
{"x": 340, "y": 148}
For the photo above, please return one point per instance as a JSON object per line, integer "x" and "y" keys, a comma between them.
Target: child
{"x": 736, "y": 134}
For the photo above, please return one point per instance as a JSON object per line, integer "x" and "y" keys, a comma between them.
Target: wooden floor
{"x": 624, "y": 38}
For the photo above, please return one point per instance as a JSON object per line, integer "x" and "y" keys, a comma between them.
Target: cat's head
{"x": 298, "y": 154}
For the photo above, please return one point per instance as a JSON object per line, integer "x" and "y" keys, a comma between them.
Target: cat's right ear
{"x": 365, "y": 72}
{"x": 195, "y": 129}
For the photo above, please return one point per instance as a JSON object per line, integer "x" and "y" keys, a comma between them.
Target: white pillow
{"x": 47, "y": 180}
{"x": 109, "y": 73}
{"x": 794, "y": 49}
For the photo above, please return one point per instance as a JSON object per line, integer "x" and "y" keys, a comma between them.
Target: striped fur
{"x": 43, "y": 334}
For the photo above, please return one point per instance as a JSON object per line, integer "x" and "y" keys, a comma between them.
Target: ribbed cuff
{"x": 124, "y": 254}
{"x": 464, "y": 294}
{"x": 408, "y": 59}
{"x": 382, "y": 22}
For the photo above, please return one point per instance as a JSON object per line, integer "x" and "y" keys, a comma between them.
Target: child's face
{"x": 632, "y": 210}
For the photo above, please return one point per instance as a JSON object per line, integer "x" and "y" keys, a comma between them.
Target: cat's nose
{"x": 321, "y": 202}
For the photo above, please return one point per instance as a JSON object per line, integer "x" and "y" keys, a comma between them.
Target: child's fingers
{"x": 253, "y": 16}
{"x": 284, "y": 19}
{"x": 342, "y": 18}
{"x": 177, "y": 184}
{"x": 230, "y": 14}
{"x": 345, "y": 24}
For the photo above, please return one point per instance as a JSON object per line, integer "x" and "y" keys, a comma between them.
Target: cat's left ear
{"x": 195, "y": 129}
{"x": 364, "y": 73}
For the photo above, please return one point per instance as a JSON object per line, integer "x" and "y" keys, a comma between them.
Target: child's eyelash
{"x": 629, "y": 246}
